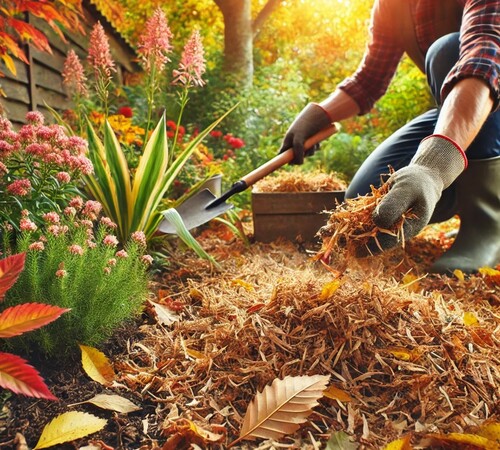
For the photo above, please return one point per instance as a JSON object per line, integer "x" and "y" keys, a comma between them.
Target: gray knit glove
{"x": 418, "y": 186}
{"x": 312, "y": 119}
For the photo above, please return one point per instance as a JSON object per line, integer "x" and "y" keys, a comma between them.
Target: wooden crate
{"x": 291, "y": 215}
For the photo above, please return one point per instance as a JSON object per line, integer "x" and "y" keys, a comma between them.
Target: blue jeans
{"x": 399, "y": 148}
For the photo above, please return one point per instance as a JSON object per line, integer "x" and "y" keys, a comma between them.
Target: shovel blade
{"x": 194, "y": 211}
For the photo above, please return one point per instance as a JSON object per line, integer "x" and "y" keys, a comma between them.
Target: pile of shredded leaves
{"x": 407, "y": 354}
{"x": 297, "y": 180}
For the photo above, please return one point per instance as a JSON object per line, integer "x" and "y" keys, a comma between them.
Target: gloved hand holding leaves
{"x": 312, "y": 119}
{"x": 417, "y": 188}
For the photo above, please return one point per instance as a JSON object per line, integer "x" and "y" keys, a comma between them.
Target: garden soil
{"x": 406, "y": 353}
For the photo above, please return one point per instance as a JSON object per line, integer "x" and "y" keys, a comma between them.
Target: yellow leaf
{"x": 459, "y": 274}
{"x": 404, "y": 354}
{"x": 195, "y": 353}
{"x": 490, "y": 431}
{"x": 281, "y": 407}
{"x": 489, "y": 271}
{"x": 97, "y": 365}
{"x": 243, "y": 284}
{"x": 337, "y": 394}
{"x": 399, "y": 444}
{"x": 411, "y": 282}
{"x": 479, "y": 442}
{"x": 113, "y": 403}
{"x": 470, "y": 319}
{"x": 329, "y": 289}
{"x": 68, "y": 427}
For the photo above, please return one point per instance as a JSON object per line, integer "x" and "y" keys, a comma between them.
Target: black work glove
{"x": 312, "y": 119}
{"x": 418, "y": 187}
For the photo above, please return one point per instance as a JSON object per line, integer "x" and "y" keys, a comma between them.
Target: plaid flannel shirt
{"x": 479, "y": 49}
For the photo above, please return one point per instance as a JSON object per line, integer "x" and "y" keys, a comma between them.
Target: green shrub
{"x": 76, "y": 264}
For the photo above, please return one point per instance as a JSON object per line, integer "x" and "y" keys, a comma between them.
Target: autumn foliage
{"x": 15, "y": 374}
{"x": 16, "y": 30}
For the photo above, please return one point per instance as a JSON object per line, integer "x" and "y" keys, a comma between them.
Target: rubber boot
{"x": 478, "y": 204}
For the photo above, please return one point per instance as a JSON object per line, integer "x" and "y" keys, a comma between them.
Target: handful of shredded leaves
{"x": 350, "y": 227}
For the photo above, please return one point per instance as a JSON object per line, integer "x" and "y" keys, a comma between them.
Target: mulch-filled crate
{"x": 291, "y": 215}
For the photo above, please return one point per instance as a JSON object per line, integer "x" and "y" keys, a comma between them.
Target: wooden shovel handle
{"x": 287, "y": 156}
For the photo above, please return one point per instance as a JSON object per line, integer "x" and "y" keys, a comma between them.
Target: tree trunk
{"x": 238, "y": 40}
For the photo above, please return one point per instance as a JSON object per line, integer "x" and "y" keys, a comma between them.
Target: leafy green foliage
{"x": 71, "y": 267}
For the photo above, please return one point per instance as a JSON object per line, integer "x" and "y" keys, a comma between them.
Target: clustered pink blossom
{"x": 121, "y": 254}
{"x": 99, "y": 54}
{"x": 75, "y": 249}
{"x": 91, "y": 209}
{"x": 21, "y": 187}
{"x": 51, "y": 217}
{"x": 63, "y": 177}
{"x": 61, "y": 273}
{"x": 147, "y": 259}
{"x": 112, "y": 262}
{"x": 107, "y": 222}
{"x": 73, "y": 74}
{"x": 154, "y": 44}
{"x": 37, "y": 246}
{"x": 26, "y": 224}
{"x": 192, "y": 64}
{"x": 76, "y": 202}
{"x": 110, "y": 240}
{"x": 58, "y": 230}
{"x": 139, "y": 237}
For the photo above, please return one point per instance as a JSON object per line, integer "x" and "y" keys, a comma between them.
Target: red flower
{"x": 170, "y": 134}
{"x": 236, "y": 142}
{"x": 171, "y": 124}
{"x": 126, "y": 111}
{"x": 181, "y": 131}
{"x": 216, "y": 134}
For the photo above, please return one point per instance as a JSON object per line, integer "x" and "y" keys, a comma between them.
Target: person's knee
{"x": 440, "y": 59}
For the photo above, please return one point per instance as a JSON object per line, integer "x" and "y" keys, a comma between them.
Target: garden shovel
{"x": 204, "y": 205}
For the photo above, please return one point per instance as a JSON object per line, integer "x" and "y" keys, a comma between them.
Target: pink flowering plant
{"x": 75, "y": 260}
{"x": 40, "y": 168}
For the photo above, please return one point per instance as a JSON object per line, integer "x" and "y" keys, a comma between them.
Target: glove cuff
{"x": 327, "y": 114}
{"x": 442, "y": 155}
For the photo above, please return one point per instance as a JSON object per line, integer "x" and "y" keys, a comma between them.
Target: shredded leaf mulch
{"x": 296, "y": 180}
{"x": 407, "y": 353}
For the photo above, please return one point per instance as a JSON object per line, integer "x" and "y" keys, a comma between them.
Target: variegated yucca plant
{"x": 15, "y": 373}
{"x": 132, "y": 200}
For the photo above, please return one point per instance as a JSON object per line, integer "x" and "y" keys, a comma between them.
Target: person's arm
{"x": 464, "y": 111}
{"x": 340, "y": 106}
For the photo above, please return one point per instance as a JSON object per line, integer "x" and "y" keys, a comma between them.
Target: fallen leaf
{"x": 113, "y": 403}
{"x": 479, "y": 442}
{"x": 400, "y": 444}
{"x": 334, "y": 393}
{"x": 340, "y": 441}
{"x": 410, "y": 281}
{"x": 195, "y": 353}
{"x": 281, "y": 407}
{"x": 184, "y": 433}
{"x": 490, "y": 431}
{"x": 470, "y": 319}
{"x": 68, "y": 427}
{"x": 329, "y": 289}
{"x": 247, "y": 286}
{"x": 164, "y": 315}
{"x": 459, "y": 274}
{"x": 403, "y": 353}
{"x": 96, "y": 365}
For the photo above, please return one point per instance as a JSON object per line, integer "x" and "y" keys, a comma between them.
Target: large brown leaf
{"x": 281, "y": 407}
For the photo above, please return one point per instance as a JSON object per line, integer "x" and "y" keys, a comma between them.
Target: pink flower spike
{"x": 99, "y": 56}
{"x": 73, "y": 74}
{"x": 192, "y": 65}
{"x": 154, "y": 45}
